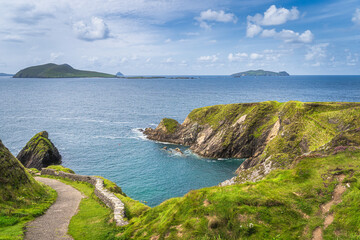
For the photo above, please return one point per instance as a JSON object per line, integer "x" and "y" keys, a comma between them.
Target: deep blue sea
{"x": 94, "y": 123}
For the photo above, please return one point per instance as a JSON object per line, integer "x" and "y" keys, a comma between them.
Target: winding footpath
{"x": 325, "y": 208}
{"x": 54, "y": 223}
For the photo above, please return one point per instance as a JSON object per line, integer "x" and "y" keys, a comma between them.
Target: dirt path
{"x": 54, "y": 223}
{"x": 325, "y": 208}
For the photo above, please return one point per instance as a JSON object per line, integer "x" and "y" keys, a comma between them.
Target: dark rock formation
{"x": 268, "y": 134}
{"x": 39, "y": 152}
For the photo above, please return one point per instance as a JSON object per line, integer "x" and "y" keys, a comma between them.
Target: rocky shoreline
{"x": 269, "y": 135}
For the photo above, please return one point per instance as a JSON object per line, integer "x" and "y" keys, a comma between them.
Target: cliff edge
{"x": 268, "y": 134}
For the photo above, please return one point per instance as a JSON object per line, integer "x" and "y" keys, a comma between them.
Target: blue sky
{"x": 213, "y": 37}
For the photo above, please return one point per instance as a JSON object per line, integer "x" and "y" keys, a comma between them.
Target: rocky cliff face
{"x": 39, "y": 152}
{"x": 268, "y": 134}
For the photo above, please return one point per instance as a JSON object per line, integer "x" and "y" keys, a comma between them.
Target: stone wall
{"x": 100, "y": 191}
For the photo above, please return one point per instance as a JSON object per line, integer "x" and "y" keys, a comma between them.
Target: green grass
{"x": 170, "y": 124}
{"x": 284, "y": 205}
{"x": 60, "y": 168}
{"x": 21, "y": 197}
{"x": 93, "y": 220}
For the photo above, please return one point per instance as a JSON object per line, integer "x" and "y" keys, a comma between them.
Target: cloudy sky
{"x": 182, "y": 36}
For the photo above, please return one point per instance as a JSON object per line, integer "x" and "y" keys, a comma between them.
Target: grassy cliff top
{"x": 260, "y": 73}
{"x": 52, "y": 70}
{"x": 284, "y": 205}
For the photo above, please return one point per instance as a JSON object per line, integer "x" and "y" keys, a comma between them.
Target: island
{"x": 5, "y": 75}
{"x": 119, "y": 74}
{"x": 52, "y": 70}
{"x": 260, "y": 72}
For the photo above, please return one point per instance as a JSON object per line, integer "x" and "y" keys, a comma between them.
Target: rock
{"x": 119, "y": 74}
{"x": 178, "y": 150}
{"x": 39, "y": 152}
{"x": 165, "y": 148}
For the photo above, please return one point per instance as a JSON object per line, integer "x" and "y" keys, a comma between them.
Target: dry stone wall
{"x": 100, "y": 191}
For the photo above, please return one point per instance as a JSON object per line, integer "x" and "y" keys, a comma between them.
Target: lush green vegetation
{"x": 60, "y": 168}
{"x": 170, "y": 124}
{"x": 51, "y": 70}
{"x": 94, "y": 220}
{"x": 284, "y": 205}
{"x": 260, "y": 73}
{"x": 21, "y": 197}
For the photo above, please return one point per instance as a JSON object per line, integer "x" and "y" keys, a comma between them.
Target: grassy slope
{"x": 284, "y": 205}
{"x": 21, "y": 197}
{"x": 51, "y": 70}
{"x": 94, "y": 219}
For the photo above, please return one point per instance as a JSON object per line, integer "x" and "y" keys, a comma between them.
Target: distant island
{"x": 5, "y": 75}
{"x": 260, "y": 73}
{"x": 119, "y": 74}
{"x": 52, "y": 70}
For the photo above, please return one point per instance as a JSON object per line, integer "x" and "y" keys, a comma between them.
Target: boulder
{"x": 39, "y": 152}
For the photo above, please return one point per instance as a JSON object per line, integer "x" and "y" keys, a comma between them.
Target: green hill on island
{"x": 52, "y": 70}
{"x": 260, "y": 73}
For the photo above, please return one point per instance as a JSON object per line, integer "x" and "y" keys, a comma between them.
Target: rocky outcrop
{"x": 39, "y": 152}
{"x": 268, "y": 134}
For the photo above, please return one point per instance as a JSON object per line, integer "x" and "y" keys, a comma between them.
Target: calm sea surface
{"x": 94, "y": 123}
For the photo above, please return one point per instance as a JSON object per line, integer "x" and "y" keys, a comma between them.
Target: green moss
{"x": 170, "y": 124}
{"x": 60, "y": 168}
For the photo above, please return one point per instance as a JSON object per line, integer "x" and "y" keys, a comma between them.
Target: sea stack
{"x": 39, "y": 152}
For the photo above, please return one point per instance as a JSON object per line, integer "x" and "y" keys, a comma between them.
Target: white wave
{"x": 109, "y": 137}
{"x": 138, "y": 134}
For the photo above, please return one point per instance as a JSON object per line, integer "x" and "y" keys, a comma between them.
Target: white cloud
{"x": 55, "y": 55}
{"x": 212, "y": 58}
{"x": 277, "y": 16}
{"x": 255, "y": 56}
{"x": 289, "y": 36}
{"x": 352, "y": 59}
{"x": 169, "y": 60}
{"x": 95, "y": 30}
{"x": 214, "y": 16}
{"x": 252, "y": 30}
{"x": 316, "y": 52}
{"x": 12, "y": 38}
{"x": 356, "y": 16}
{"x": 237, "y": 57}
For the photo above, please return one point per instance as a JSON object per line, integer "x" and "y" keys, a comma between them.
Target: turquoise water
{"x": 94, "y": 123}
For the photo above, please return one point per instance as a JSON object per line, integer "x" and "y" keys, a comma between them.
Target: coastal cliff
{"x": 39, "y": 152}
{"x": 269, "y": 135}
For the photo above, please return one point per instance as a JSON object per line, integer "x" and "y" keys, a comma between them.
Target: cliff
{"x": 39, "y": 152}
{"x": 260, "y": 73}
{"x": 52, "y": 70}
{"x": 268, "y": 134}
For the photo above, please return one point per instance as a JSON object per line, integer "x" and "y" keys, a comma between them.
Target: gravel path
{"x": 54, "y": 223}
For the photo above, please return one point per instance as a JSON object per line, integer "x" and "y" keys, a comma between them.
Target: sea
{"x": 95, "y": 122}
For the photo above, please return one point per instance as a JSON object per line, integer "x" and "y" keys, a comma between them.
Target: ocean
{"x": 95, "y": 123}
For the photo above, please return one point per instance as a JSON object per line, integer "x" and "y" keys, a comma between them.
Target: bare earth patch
{"x": 325, "y": 208}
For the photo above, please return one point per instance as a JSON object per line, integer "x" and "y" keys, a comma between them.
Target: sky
{"x": 182, "y": 37}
